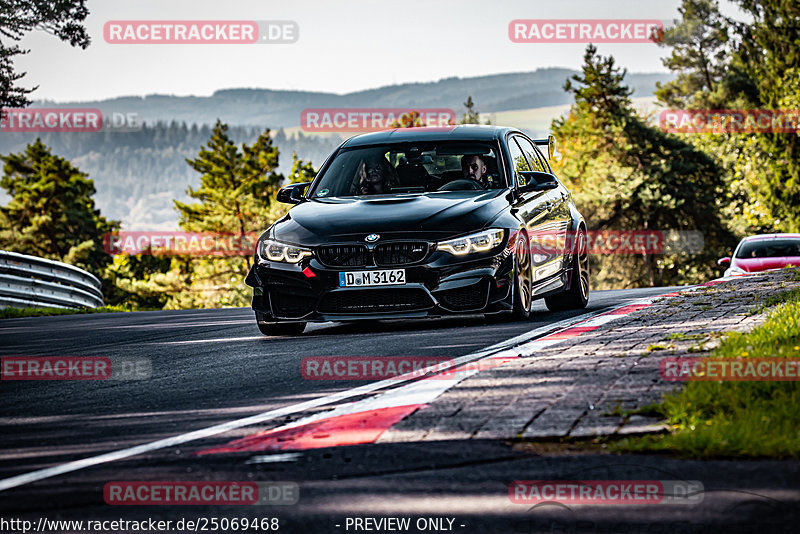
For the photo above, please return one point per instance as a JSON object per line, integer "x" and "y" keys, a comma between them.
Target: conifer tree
{"x": 235, "y": 196}
{"x": 699, "y": 43}
{"x": 471, "y": 115}
{"x": 63, "y": 18}
{"x": 627, "y": 175}
{"x": 51, "y": 213}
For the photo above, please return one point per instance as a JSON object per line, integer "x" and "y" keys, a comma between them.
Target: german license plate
{"x": 372, "y": 278}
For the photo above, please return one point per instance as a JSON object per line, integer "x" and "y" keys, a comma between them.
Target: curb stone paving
{"x": 577, "y": 388}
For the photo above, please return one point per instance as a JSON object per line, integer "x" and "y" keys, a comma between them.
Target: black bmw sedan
{"x": 422, "y": 222}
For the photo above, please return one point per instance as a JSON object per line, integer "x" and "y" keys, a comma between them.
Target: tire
{"x": 577, "y": 296}
{"x": 279, "y": 329}
{"x": 522, "y": 281}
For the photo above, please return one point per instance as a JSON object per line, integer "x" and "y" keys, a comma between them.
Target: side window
{"x": 536, "y": 161}
{"x": 518, "y": 160}
{"x": 544, "y": 160}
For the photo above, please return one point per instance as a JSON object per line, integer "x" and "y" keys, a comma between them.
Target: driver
{"x": 474, "y": 168}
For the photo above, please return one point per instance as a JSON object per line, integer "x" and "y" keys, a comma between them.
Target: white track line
{"x": 214, "y": 430}
{"x": 217, "y": 340}
{"x": 429, "y": 389}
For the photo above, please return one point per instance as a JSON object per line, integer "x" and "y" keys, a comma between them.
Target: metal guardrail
{"x": 29, "y": 281}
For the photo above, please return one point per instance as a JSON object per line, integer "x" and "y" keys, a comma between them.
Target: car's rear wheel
{"x": 577, "y": 296}
{"x": 522, "y": 280}
{"x": 279, "y": 329}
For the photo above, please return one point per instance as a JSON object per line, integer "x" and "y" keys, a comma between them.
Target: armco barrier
{"x": 28, "y": 281}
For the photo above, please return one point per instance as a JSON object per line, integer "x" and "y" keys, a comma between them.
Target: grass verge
{"x": 737, "y": 419}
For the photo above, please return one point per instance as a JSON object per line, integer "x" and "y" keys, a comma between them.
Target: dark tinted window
{"x": 406, "y": 168}
{"x": 769, "y": 248}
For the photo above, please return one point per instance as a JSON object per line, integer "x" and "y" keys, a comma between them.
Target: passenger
{"x": 376, "y": 177}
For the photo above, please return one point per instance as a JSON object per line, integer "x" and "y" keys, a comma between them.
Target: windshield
{"x": 410, "y": 168}
{"x": 769, "y": 248}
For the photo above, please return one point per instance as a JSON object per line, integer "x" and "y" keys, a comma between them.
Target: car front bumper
{"x": 441, "y": 285}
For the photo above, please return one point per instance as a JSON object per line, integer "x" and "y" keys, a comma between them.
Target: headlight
{"x": 274, "y": 251}
{"x": 480, "y": 242}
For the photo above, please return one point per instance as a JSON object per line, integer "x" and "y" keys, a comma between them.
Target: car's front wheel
{"x": 577, "y": 296}
{"x": 522, "y": 281}
{"x": 279, "y": 329}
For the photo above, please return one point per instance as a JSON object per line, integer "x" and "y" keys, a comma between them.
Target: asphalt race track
{"x": 213, "y": 366}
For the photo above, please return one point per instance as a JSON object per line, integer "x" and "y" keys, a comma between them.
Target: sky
{"x": 342, "y": 47}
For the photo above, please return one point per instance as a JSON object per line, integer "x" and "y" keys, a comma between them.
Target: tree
{"x": 768, "y": 56}
{"x": 627, "y": 175}
{"x": 724, "y": 63}
{"x": 140, "y": 282}
{"x": 302, "y": 171}
{"x": 699, "y": 43}
{"x": 235, "y": 197}
{"x": 471, "y": 115}
{"x": 62, "y": 18}
{"x": 51, "y": 213}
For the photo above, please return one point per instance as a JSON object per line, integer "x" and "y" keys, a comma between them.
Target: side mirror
{"x": 550, "y": 142}
{"x": 538, "y": 181}
{"x": 724, "y": 261}
{"x": 541, "y": 187}
{"x": 292, "y": 193}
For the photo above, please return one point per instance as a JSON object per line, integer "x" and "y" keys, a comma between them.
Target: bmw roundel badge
{"x": 371, "y": 238}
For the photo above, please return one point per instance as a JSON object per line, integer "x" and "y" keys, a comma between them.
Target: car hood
{"x": 429, "y": 215}
{"x": 752, "y": 265}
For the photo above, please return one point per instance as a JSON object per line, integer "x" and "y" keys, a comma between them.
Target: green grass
{"x": 14, "y": 313}
{"x": 737, "y": 419}
{"x": 774, "y": 300}
{"x": 617, "y": 411}
{"x": 679, "y": 336}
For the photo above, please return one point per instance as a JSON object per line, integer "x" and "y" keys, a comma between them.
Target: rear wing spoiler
{"x": 550, "y": 142}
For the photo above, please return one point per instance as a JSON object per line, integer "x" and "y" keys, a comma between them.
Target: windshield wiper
{"x": 410, "y": 189}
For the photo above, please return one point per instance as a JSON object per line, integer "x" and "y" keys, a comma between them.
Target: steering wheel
{"x": 461, "y": 185}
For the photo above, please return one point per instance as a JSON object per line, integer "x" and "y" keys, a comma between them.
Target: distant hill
{"x": 266, "y": 107}
{"x": 138, "y": 174}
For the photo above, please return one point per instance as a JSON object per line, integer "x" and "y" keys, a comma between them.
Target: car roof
{"x": 460, "y": 132}
{"x": 760, "y": 237}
